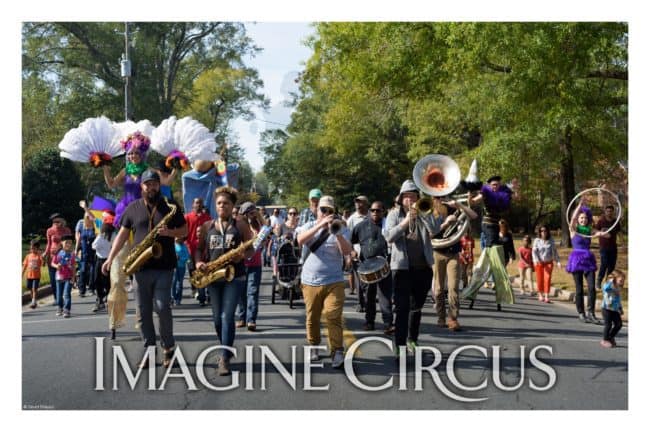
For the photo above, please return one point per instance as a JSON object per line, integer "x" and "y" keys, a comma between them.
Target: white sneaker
{"x": 338, "y": 359}
{"x": 59, "y": 312}
{"x": 314, "y": 356}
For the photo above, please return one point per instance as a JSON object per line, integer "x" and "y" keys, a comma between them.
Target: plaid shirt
{"x": 306, "y": 215}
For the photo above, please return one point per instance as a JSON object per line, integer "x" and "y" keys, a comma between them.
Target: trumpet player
{"x": 328, "y": 242}
{"x": 411, "y": 263}
{"x": 446, "y": 270}
{"x": 218, "y": 237}
{"x": 153, "y": 280}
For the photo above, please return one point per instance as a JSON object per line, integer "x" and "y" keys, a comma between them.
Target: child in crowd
{"x": 612, "y": 308}
{"x": 32, "y": 264}
{"x": 102, "y": 246}
{"x": 526, "y": 265}
{"x": 64, "y": 263}
{"x": 182, "y": 256}
{"x": 466, "y": 256}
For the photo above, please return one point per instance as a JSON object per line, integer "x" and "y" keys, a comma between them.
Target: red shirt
{"x": 526, "y": 257}
{"x": 54, "y": 234}
{"x": 255, "y": 260}
{"x": 66, "y": 263}
{"x": 467, "y": 250}
{"x": 603, "y": 225}
{"x": 194, "y": 221}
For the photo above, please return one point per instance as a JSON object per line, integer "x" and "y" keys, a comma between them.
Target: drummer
{"x": 368, "y": 235}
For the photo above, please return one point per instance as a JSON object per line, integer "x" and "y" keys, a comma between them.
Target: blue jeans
{"x": 177, "y": 284}
{"x": 86, "y": 272}
{"x": 63, "y": 289}
{"x": 250, "y": 298}
{"x": 224, "y": 297}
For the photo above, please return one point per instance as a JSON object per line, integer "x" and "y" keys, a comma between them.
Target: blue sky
{"x": 279, "y": 63}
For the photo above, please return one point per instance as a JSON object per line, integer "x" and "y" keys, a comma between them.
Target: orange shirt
{"x": 33, "y": 263}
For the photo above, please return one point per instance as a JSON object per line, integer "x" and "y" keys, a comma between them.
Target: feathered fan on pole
{"x": 94, "y": 141}
{"x": 183, "y": 142}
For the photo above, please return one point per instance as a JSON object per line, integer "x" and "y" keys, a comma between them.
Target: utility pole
{"x": 125, "y": 69}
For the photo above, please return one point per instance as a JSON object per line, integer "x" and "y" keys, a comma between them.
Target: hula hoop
{"x": 618, "y": 208}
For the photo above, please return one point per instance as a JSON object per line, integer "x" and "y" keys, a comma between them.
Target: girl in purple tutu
{"x": 582, "y": 262}
{"x": 136, "y": 146}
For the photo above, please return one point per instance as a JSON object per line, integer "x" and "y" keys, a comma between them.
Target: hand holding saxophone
{"x": 164, "y": 231}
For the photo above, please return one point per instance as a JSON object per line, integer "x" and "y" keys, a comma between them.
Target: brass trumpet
{"x": 423, "y": 206}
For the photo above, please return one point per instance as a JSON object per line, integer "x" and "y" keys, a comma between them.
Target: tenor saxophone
{"x": 222, "y": 267}
{"x": 148, "y": 248}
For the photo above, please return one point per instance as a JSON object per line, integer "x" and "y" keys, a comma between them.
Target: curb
{"x": 41, "y": 292}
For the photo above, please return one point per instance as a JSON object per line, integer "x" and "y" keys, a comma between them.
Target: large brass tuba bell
{"x": 436, "y": 175}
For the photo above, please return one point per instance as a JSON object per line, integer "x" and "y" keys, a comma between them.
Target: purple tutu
{"x": 581, "y": 259}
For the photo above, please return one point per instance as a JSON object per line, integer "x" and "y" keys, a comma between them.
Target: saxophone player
{"x": 217, "y": 238}
{"x": 153, "y": 279}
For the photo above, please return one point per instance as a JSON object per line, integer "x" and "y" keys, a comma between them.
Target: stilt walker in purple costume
{"x": 496, "y": 199}
{"x": 582, "y": 262}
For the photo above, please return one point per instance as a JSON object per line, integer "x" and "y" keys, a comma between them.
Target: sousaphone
{"x": 439, "y": 176}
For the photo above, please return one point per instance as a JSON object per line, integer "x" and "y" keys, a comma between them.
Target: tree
{"x": 538, "y": 101}
{"x": 167, "y": 58}
{"x": 223, "y": 94}
{"x": 50, "y": 184}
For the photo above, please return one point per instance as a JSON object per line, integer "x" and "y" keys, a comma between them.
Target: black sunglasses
{"x": 376, "y": 210}
{"x": 292, "y": 213}
{"x": 326, "y": 210}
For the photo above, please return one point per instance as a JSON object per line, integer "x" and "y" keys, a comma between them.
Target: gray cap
{"x": 246, "y": 207}
{"x": 149, "y": 175}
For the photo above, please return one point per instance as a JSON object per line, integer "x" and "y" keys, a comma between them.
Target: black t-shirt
{"x": 140, "y": 219}
{"x": 508, "y": 246}
{"x": 219, "y": 244}
{"x": 369, "y": 236}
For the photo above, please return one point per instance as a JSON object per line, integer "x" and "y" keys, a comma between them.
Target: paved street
{"x": 59, "y": 367}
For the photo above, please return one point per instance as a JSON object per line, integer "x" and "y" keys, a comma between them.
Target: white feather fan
{"x": 185, "y": 136}
{"x": 92, "y": 141}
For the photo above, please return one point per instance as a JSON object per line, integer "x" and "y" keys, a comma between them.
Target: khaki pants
{"x": 325, "y": 300}
{"x": 446, "y": 273}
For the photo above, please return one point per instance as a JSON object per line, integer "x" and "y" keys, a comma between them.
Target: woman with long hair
{"x": 544, "y": 253}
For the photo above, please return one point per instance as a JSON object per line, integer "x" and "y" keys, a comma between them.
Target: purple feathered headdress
{"x": 499, "y": 200}
{"x": 138, "y": 141}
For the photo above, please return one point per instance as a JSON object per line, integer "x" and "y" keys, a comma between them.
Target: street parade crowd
{"x": 391, "y": 255}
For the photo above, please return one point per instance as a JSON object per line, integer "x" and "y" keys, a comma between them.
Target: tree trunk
{"x": 567, "y": 182}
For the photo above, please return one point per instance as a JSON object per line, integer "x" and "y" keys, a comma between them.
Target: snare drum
{"x": 373, "y": 270}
